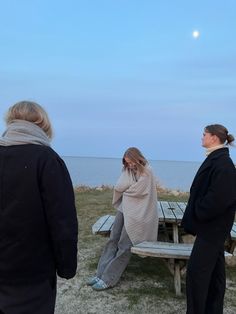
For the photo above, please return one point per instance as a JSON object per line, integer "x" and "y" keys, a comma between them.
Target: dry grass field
{"x": 145, "y": 287}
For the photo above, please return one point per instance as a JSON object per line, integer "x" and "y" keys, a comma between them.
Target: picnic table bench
{"x": 172, "y": 253}
{"x": 103, "y": 225}
{"x": 175, "y": 254}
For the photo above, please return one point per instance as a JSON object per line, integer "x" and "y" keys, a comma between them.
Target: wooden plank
{"x": 96, "y": 227}
{"x": 175, "y": 233}
{"x": 106, "y": 227}
{"x": 168, "y": 212}
{"x": 103, "y": 224}
{"x": 176, "y": 210}
{"x": 233, "y": 232}
{"x": 160, "y": 212}
{"x": 182, "y": 206}
{"x": 163, "y": 249}
{"x": 177, "y": 278}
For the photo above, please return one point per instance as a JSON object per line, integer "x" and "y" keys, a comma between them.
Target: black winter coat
{"x": 211, "y": 207}
{"x": 38, "y": 222}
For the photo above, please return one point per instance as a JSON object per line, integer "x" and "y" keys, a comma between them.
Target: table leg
{"x": 232, "y": 247}
{"x": 175, "y": 270}
{"x": 177, "y": 278}
{"x": 175, "y": 233}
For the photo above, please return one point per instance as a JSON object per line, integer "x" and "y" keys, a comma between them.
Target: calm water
{"x": 92, "y": 171}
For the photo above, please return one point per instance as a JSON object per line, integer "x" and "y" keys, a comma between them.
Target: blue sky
{"x": 120, "y": 73}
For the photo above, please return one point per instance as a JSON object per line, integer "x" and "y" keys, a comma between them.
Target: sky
{"x": 118, "y": 73}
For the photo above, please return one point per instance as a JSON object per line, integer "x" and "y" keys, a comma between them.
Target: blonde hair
{"x": 32, "y": 112}
{"x": 135, "y": 155}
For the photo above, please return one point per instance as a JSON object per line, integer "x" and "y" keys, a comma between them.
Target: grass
{"x": 91, "y": 204}
{"x": 145, "y": 287}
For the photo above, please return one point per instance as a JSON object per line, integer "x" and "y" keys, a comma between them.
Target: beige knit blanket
{"x": 137, "y": 199}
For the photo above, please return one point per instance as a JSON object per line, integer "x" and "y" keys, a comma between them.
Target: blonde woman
{"x": 135, "y": 198}
{"x": 38, "y": 223}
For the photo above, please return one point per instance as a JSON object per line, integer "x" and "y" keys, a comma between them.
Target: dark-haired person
{"x": 210, "y": 215}
{"x": 135, "y": 198}
{"x": 38, "y": 222}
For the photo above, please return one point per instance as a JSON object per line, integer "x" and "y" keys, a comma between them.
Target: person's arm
{"x": 221, "y": 195}
{"x": 139, "y": 188}
{"x": 124, "y": 181}
{"x": 59, "y": 205}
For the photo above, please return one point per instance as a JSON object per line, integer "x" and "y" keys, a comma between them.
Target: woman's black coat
{"x": 212, "y": 204}
{"x": 38, "y": 222}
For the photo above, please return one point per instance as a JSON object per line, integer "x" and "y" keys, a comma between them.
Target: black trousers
{"x": 33, "y": 298}
{"x": 205, "y": 281}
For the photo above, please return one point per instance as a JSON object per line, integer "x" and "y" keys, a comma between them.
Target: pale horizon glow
{"x": 115, "y": 74}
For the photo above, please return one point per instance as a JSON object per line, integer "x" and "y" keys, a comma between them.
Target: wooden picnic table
{"x": 168, "y": 212}
{"x": 175, "y": 254}
{"x": 171, "y": 213}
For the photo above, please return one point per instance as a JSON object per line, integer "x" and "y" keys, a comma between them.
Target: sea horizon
{"x": 99, "y": 171}
{"x": 107, "y": 157}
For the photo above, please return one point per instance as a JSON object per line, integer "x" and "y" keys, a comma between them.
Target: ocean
{"x": 95, "y": 172}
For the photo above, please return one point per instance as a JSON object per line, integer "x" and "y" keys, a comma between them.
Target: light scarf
{"x": 212, "y": 149}
{"x": 21, "y": 132}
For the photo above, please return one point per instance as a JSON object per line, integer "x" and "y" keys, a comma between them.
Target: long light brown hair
{"x": 135, "y": 155}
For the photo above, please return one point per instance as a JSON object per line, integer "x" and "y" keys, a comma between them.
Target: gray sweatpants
{"x": 116, "y": 254}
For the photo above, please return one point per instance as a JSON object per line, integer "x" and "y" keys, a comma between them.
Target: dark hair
{"x": 136, "y": 157}
{"x": 221, "y": 132}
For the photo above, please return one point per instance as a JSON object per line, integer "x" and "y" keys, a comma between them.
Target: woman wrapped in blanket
{"x": 135, "y": 198}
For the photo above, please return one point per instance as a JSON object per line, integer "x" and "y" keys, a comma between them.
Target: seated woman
{"x": 135, "y": 198}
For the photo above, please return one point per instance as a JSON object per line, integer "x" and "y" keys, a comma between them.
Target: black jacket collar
{"x": 213, "y": 156}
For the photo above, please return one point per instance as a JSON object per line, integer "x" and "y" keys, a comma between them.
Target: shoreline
{"x": 160, "y": 190}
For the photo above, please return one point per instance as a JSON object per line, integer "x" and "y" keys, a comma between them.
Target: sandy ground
{"x": 74, "y": 297}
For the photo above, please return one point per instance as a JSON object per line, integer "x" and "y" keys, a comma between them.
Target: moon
{"x": 195, "y": 34}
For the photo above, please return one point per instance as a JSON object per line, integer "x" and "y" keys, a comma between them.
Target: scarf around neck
{"x": 21, "y": 132}
{"x": 212, "y": 149}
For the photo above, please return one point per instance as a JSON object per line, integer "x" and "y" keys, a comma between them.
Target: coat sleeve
{"x": 220, "y": 195}
{"x": 60, "y": 212}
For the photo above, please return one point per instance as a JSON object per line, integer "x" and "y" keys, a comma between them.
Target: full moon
{"x": 196, "y": 34}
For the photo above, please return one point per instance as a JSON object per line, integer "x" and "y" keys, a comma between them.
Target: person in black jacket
{"x": 38, "y": 221}
{"x": 210, "y": 215}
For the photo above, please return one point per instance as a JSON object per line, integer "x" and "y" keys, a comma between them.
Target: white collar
{"x": 212, "y": 149}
